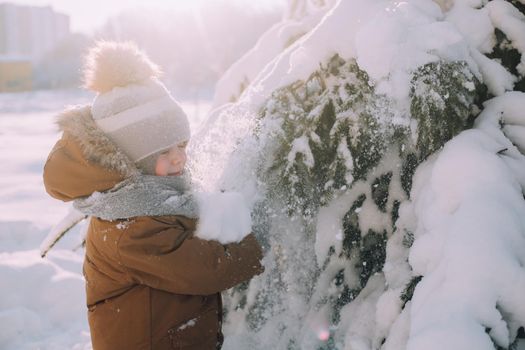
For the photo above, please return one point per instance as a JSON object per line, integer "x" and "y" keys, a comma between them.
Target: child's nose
{"x": 178, "y": 157}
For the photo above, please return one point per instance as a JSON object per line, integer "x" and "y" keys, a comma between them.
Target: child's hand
{"x": 223, "y": 217}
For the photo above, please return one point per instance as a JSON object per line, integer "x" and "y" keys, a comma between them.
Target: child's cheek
{"x": 161, "y": 167}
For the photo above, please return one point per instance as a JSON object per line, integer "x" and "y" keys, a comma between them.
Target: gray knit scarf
{"x": 142, "y": 195}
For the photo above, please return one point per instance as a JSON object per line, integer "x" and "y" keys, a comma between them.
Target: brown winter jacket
{"x": 149, "y": 283}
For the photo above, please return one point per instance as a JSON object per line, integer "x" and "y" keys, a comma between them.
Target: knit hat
{"x": 132, "y": 107}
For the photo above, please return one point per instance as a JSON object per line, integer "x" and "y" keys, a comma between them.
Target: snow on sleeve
{"x": 470, "y": 245}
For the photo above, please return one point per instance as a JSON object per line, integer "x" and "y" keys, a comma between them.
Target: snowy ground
{"x": 41, "y": 300}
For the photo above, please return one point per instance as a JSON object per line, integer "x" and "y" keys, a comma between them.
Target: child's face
{"x": 172, "y": 161}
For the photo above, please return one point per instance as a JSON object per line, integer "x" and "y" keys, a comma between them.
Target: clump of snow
{"x": 187, "y": 324}
{"x": 123, "y": 225}
{"x": 329, "y": 228}
{"x": 470, "y": 239}
{"x": 477, "y": 23}
{"x": 495, "y": 76}
{"x": 474, "y": 23}
{"x": 512, "y": 22}
{"x": 401, "y": 37}
{"x": 300, "y": 146}
{"x": 223, "y": 217}
{"x": 503, "y": 120}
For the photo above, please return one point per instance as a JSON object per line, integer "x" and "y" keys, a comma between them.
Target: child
{"x": 150, "y": 282}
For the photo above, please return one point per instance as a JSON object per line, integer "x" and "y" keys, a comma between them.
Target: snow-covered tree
{"x": 383, "y": 154}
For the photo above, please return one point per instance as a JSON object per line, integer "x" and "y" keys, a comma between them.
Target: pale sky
{"x": 86, "y": 15}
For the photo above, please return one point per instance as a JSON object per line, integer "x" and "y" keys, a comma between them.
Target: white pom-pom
{"x": 111, "y": 64}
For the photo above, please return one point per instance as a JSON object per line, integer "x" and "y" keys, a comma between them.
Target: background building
{"x": 27, "y": 33}
{"x": 15, "y": 74}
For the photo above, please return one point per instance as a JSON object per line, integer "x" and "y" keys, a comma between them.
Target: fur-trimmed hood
{"x": 84, "y": 160}
{"x": 78, "y": 122}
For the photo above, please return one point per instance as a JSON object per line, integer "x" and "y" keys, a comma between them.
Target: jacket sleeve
{"x": 172, "y": 261}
